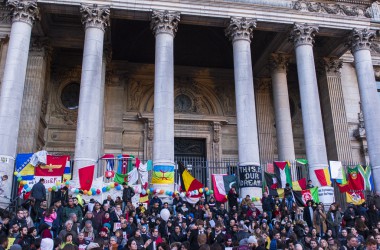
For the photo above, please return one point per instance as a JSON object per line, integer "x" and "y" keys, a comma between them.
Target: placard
{"x": 326, "y": 195}
{"x": 50, "y": 181}
{"x": 250, "y": 176}
{"x": 336, "y": 170}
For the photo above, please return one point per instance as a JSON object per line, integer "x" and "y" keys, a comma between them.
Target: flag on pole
{"x": 299, "y": 185}
{"x": 86, "y": 175}
{"x": 355, "y": 179}
{"x": 356, "y": 197}
{"x": 301, "y": 197}
{"x": 282, "y": 172}
{"x": 367, "y": 176}
{"x": 188, "y": 182}
{"x": 323, "y": 176}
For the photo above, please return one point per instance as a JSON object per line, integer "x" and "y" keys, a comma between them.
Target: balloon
{"x": 104, "y": 189}
{"x": 158, "y": 190}
{"x": 85, "y": 192}
{"x": 118, "y": 188}
{"x": 110, "y": 174}
{"x": 112, "y": 185}
{"x": 151, "y": 190}
{"x": 165, "y": 214}
{"x": 148, "y": 191}
{"x": 29, "y": 189}
{"x": 208, "y": 192}
{"x": 58, "y": 183}
{"x": 93, "y": 190}
{"x": 67, "y": 183}
{"x": 26, "y": 186}
{"x": 77, "y": 191}
{"x": 72, "y": 190}
{"x": 98, "y": 191}
{"x": 211, "y": 192}
{"x": 206, "y": 189}
{"x": 116, "y": 184}
{"x": 162, "y": 191}
{"x": 226, "y": 196}
{"x": 182, "y": 195}
{"x": 108, "y": 188}
{"x": 89, "y": 193}
{"x": 15, "y": 173}
{"x": 49, "y": 189}
{"x": 143, "y": 192}
{"x": 201, "y": 190}
{"x": 19, "y": 179}
{"x": 18, "y": 175}
{"x": 54, "y": 188}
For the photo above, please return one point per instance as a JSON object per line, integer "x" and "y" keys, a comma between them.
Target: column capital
{"x": 24, "y": 11}
{"x": 278, "y": 62}
{"x": 164, "y": 21}
{"x": 360, "y": 39}
{"x": 240, "y": 28}
{"x": 95, "y": 16}
{"x": 303, "y": 34}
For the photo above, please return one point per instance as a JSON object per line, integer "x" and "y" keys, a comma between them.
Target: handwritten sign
{"x": 250, "y": 176}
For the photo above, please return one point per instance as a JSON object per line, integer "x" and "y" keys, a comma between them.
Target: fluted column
{"x": 240, "y": 33}
{"x": 23, "y": 13}
{"x": 360, "y": 41}
{"x": 284, "y": 132}
{"x": 302, "y": 36}
{"x": 164, "y": 26}
{"x": 95, "y": 20}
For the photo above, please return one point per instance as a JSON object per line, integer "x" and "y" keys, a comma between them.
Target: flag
{"x": 163, "y": 174}
{"x": 355, "y": 179}
{"x": 302, "y": 161}
{"x": 344, "y": 187}
{"x": 323, "y": 176}
{"x": 110, "y": 161}
{"x": 222, "y": 185}
{"x": 143, "y": 171}
{"x": 133, "y": 176}
{"x": 301, "y": 197}
{"x": 120, "y": 178}
{"x": 355, "y": 198}
{"x": 277, "y": 192}
{"x": 125, "y": 164}
{"x": 55, "y": 166}
{"x": 270, "y": 180}
{"x": 282, "y": 172}
{"x": 24, "y": 167}
{"x": 367, "y": 176}
{"x": 67, "y": 171}
{"x": 299, "y": 185}
{"x": 188, "y": 182}
{"x": 86, "y": 175}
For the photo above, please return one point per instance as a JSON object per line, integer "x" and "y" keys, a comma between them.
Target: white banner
{"x": 336, "y": 169}
{"x": 326, "y": 195}
{"x": 50, "y": 181}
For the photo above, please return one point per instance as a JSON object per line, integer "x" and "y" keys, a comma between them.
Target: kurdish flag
{"x": 301, "y": 197}
{"x": 163, "y": 174}
{"x": 24, "y": 167}
{"x": 282, "y": 172}
{"x": 188, "y": 182}
{"x": 367, "y": 176}
{"x": 323, "y": 176}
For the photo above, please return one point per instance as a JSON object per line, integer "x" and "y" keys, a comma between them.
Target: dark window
{"x": 70, "y": 95}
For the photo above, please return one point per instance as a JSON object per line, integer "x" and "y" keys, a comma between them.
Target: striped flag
{"x": 67, "y": 171}
{"x": 323, "y": 176}
{"x": 299, "y": 185}
{"x": 301, "y": 197}
{"x": 367, "y": 176}
{"x": 188, "y": 182}
{"x": 282, "y": 172}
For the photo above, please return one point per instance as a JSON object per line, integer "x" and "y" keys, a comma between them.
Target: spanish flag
{"x": 188, "y": 182}
{"x": 323, "y": 176}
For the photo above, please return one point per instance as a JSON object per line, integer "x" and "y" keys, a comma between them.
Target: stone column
{"x": 360, "y": 42}
{"x": 240, "y": 33}
{"x": 96, "y": 20}
{"x": 302, "y": 36}
{"x": 284, "y": 132}
{"x": 164, "y": 25}
{"x": 23, "y": 13}
{"x": 30, "y": 137}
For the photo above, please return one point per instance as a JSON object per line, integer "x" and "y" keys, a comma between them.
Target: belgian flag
{"x": 188, "y": 182}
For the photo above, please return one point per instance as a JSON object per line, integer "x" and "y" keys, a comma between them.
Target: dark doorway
{"x": 192, "y": 152}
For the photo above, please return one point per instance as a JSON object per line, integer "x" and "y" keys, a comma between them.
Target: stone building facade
{"x": 256, "y": 80}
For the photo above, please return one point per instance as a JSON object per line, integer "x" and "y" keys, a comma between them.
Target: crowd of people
{"x": 71, "y": 223}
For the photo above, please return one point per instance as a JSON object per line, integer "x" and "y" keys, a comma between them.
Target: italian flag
{"x": 282, "y": 172}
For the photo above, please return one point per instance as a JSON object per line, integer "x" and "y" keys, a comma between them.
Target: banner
{"x": 50, "y": 181}
{"x": 55, "y": 166}
{"x": 250, "y": 176}
{"x": 326, "y": 195}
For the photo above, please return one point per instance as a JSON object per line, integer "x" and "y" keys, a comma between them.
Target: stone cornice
{"x": 24, "y": 11}
{"x": 303, "y": 34}
{"x": 333, "y": 8}
{"x": 164, "y": 22}
{"x": 240, "y": 29}
{"x": 361, "y": 39}
{"x": 95, "y": 16}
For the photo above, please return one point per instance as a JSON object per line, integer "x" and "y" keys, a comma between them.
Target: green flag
{"x": 302, "y": 161}
{"x": 120, "y": 178}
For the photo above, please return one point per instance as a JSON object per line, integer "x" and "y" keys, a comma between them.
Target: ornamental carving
{"x": 303, "y": 34}
{"x": 216, "y": 129}
{"x": 329, "y": 65}
{"x": 24, "y": 11}
{"x": 240, "y": 28}
{"x": 95, "y": 16}
{"x": 150, "y": 129}
{"x": 164, "y": 22}
{"x": 360, "y": 39}
{"x": 278, "y": 61}
{"x": 334, "y": 9}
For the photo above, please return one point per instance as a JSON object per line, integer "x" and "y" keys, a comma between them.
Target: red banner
{"x": 55, "y": 166}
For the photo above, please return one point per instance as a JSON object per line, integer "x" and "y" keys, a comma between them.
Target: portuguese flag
{"x": 301, "y": 197}
{"x": 188, "y": 182}
{"x": 355, "y": 178}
